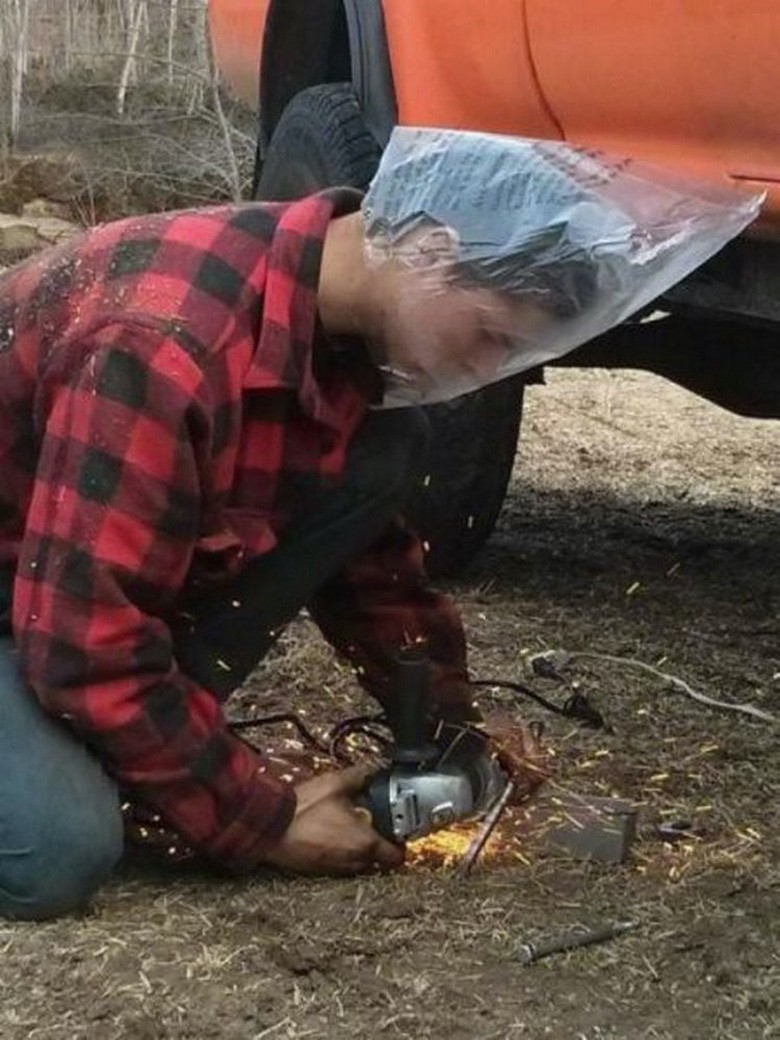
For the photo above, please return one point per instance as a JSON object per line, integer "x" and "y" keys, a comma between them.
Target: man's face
{"x": 435, "y": 338}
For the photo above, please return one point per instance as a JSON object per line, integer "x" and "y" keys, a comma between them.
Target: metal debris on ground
{"x": 673, "y": 831}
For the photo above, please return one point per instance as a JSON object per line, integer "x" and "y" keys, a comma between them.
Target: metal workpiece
{"x": 585, "y": 826}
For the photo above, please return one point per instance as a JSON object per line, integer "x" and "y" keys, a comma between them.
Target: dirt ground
{"x": 641, "y": 523}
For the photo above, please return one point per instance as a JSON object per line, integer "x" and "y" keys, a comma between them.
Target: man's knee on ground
{"x": 57, "y": 865}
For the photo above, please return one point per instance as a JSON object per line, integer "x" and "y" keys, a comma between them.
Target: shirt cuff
{"x": 261, "y": 821}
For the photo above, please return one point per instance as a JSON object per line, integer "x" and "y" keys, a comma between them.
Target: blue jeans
{"x": 60, "y": 821}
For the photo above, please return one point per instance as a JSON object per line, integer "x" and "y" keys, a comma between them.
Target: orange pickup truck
{"x": 694, "y": 85}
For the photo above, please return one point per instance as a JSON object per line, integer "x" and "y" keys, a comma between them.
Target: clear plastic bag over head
{"x": 502, "y": 253}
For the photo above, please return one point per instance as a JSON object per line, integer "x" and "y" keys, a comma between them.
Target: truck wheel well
{"x": 308, "y": 42}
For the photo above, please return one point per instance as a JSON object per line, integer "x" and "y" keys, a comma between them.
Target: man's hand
{"x": 328, "y": 834}
{"x": 520, "y": 752}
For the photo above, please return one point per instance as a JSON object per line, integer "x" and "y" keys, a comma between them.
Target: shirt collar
{"x": 290, "y": 326}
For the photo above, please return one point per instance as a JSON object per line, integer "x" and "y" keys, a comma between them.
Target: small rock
{"x": 22, "y": 236}
{"x": 38, "y": 208}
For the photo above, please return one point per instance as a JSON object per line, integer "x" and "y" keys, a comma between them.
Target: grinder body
{"x": 438, "y": 775}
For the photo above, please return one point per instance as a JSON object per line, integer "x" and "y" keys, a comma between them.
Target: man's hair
{"x": 563, "y": 283}
{"x": 530, "y": 218}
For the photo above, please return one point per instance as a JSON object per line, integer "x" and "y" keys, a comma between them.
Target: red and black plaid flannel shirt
{"x": 131, "y": 463}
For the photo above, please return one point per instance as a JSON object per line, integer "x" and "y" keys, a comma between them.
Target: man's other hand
{"x": 520, "y": 752}
{"x": 328, "y": 834}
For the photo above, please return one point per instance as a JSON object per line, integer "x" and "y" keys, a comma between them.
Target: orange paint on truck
{"x": 694, "y": 84}
{"x": 711, "y": 100}
{"x": 237, "y": 28}
{"x": 454, "y": 66}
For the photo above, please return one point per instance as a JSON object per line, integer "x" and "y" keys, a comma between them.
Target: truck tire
{"x": 320, "y": 141}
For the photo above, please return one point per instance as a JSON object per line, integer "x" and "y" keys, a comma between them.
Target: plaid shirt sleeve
{"x": 383, "y": 602}
{"x": 110, "y": 535}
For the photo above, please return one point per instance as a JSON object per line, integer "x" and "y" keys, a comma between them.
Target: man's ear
{"x": 426, "y": 248}
{"x": 436, "y": 246}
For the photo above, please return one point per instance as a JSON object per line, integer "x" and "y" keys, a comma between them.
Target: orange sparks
{"x": 447, "y": 848}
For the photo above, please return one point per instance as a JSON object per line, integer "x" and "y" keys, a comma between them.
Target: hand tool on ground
{"x": 530, "y": 952}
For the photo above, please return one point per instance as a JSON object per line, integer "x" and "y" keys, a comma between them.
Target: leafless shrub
{"x": 131, "y": 87}
{"x": 14, "y": 56}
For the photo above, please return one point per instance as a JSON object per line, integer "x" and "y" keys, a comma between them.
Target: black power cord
{"x": 288, "y": 717}
{"x": 577, "y": 706}
{"x": 374, "y": 727}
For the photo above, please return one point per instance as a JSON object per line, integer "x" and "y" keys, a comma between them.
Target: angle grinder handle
{"x": 408, "y": 712}
{"x": 413, "y": 750}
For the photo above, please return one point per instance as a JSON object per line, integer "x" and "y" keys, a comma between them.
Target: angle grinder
{"x": 439, "y": 774}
